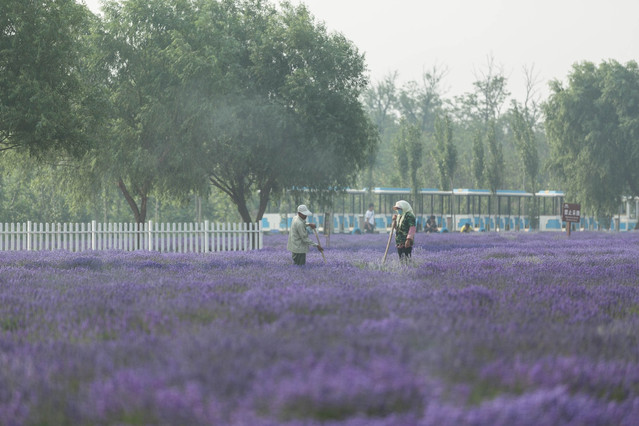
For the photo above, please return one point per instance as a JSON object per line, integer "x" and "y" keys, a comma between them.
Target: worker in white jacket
{"x": 298, "y": 240}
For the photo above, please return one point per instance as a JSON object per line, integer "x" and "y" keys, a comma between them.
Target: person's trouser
{"x": 404, "y": 253}
{"x": 299, "y": 258}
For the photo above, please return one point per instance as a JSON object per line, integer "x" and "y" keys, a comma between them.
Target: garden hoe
{"x": 318, "y": 242}
{"x": 389, "y": 240}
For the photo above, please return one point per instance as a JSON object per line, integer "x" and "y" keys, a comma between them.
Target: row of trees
{"x": 474, "y": 140}
{"x": 170, "y": 98}
{"x": 582, "y": 139}
{"x": 593, "y": 128}
{"x": 154, "y": 103}
{"x": 477, "y": 140}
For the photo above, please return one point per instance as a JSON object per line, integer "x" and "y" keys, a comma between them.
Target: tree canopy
{"x": 143, "y": 150}
{"x": 446, "y": 153}
{"x": 408, "y": 154}
{"x": 289, "y": 116}
{"x": 41, "y": 95}
{"x": 240, "y": 94}
{"x": 592, "y": 125}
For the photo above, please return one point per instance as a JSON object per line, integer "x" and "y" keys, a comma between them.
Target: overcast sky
{"x": 411, "y": 36}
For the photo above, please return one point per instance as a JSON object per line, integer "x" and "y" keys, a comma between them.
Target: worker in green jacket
{"x": 405, "y": 232}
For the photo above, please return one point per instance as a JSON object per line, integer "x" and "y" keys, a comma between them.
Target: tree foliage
{"x": 419, "y": 103}
{"x": 495, "y": 162}
{"x": 478, "y": 160}
{"x": 522, "y": 125}
{"x": 290, "y": 116}
{"x": 446, "y": 153}
{"x": 409, "y": 152}
{"x": 145, "y": 152}
{"x": 177, "y": 98}
{"x": 524, "y": 134}
{"x": 593, "y": 128}
{"x": 381, "y": 100}
{"x": 41, "y": 95}
{"x": 233, "y": 93}
{"x": 480, "y": 114}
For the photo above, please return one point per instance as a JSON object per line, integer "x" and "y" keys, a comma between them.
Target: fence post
{"x": 206, "y": 236}
{"x": 150, "y": 225}
{"x": 29, "y": 235}
{"x": 83, "y": 245}
{"x": 225, "y": 237}
{"x": 233, "y": 229}
{"x": 93, "y": 235}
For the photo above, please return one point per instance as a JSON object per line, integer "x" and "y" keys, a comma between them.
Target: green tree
{"x": 380, "y": 101}
{"x": 445, "y": 155}
{"x": 289, "y": 114}
{"x": 483, "y": 105}
{"x": 482, "y": 108}
{"x": 41, "y": 95}
{"x": 419, "y": 103}
{"x": 523, "y": 128}
{"x": 495, "y": 163}
{"x": 524, "y": 133}
{"x": 401, "y": 157}
{"x": 490, "y": 93}
{"x": 408, "y": 150}
{"x": 593, "y": 129}
{"x": 478, "y": 160}
{"x": 144, "y": 151}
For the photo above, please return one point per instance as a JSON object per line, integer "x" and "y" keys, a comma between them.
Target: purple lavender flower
{"x": 486, "y": 328}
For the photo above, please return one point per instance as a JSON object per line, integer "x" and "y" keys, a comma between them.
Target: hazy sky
{"x": 411, "y": 36}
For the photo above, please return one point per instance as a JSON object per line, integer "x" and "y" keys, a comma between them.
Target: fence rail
{"x": 162, "y": 237}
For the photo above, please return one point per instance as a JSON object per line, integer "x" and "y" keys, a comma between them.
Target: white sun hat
{"x": 304, "y": 210}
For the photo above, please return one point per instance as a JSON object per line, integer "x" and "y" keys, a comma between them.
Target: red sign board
{"x": 571, "y": 212}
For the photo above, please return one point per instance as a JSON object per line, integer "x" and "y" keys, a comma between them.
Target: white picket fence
{"x": 162, "y": 237}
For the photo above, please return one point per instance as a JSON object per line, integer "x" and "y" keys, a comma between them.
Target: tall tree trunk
{"x": 240, "y": 202}
{"x": 236, "y": 193}
{"x": 139, "y": 213}
{"x": 143, "y": 203}
{"x": 265, "y": 195}
{"x": 242, "y": 208}
{"x": 452, "y": 197}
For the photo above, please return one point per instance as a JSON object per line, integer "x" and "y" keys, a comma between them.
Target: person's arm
{"x": 304, "y": 235}
{"x": 410, "y": 238}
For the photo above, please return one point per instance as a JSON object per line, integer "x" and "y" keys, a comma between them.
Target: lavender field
{"x": 479, "y": 329}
